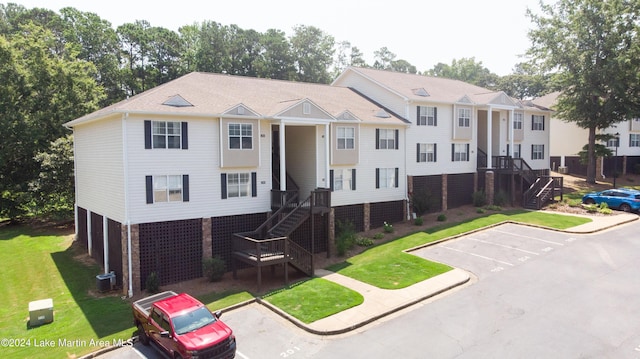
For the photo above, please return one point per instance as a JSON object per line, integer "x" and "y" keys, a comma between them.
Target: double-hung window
{"x": 165, "y": 134}
{"x": 167, "y": 188}
{"x": 517, "y": 120}
{"x": 426, "y": 152}
{"x": 537, "y": 122}
{"x": 386, "y": 177}
{"x": 238, "y": 185}
{"x": 537, "y": 152}
{"x": 517, "y": 152}
{"x": 343, "y": 180}
{"x": 464, "y": 117}
{"x": 386, "y": 139}
{"x": 634, "y": 140}
{"x": 346, "y": 137}
{"x": 459, "y": 152}
{"x": 427, "y": 116}
{"x": 240, "y": 136}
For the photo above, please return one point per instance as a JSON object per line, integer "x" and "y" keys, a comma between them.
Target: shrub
{"x": 364, "y": 241}
{"x": 152, "y": 284}
{"x": 421, "y": 202}
{"x": 345, "y": 236}
{"x": 378, "y": 236}
{"x": 442, "y": 217}
{"x": 214, "y": 268}
{"x": 480, "y": 210}
{"x": 493, "y": 207}
{"x": 591, "y": 208}
{"x": 418, "y": 221}
{"x": 500, "y": 198}
{"x": 479, "y": 198}
{"x": 387, "y": 227}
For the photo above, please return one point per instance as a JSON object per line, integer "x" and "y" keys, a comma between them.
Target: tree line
{"x": 58, "y": 66}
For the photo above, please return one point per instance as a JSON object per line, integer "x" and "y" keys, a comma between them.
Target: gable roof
{"x": 211, "y": 95}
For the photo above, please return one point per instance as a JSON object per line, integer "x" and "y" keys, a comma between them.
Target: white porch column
{"x": 105, "y": 243}
{"x": 510, "y": 132}
{"x": 89, "y": 239}
{"x": 489, "y": 139}
{"x": 327, "y": 153}
{"x": 283, "y": 169}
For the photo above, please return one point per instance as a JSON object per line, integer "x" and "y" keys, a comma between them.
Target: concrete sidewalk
{"x": 379, "y": 303}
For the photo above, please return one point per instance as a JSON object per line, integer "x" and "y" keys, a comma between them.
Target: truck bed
{"x": 144, "y": 305}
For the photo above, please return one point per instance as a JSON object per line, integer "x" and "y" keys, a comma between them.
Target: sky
{"x": 424, "y": 33}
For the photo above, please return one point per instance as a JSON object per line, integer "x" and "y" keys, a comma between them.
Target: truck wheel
{"x": 144, "y": 339}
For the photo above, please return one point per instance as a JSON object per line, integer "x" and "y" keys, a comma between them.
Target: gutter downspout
{"x": 125, "y": 166}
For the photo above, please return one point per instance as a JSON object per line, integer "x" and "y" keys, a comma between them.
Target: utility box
{"x": 106, "y": 282}
{"x": 40, "y": 312}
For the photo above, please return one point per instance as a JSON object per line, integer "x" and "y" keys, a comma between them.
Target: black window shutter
{"x": 353, "y": 179}
{"x": 331, "y": 180}
{"x": 185, "y": 188}
{"x": 435, "y": 152}
{"x": 417, "y": 152}
{"x": 418, "y": 116}
{"x": 185, "y": 135}
{"x": 453, "y": 152}
{"x": 147, "y": 134}
{"x": 377, "y": 138}
{"x": 254, "y": 184}
{"x": 397, "y": 176}
{"x": 223, "y": 185}
{"x": 377, "y": 178}
{"x": 531, "y": 151}
{"x": 468, "y": 152}
{"x": 397, "y": 139}
{"x": 542, "y": 123}
{"x": 149, "y": 188}
{"x": 532, "y": 122}
{"x": 435, "y": 116}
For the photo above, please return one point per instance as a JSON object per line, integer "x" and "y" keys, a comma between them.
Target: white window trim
{"x": 387, "y": 177}
{"x": 166, "y": 135}
{"x": 342, "y": 179}
{"x": 538, "y": 123}
{"x": 241, "y": 136}
{"x": 518, "y": 119}
{"x": 537, "y": 152}
{"x": 169, "y": 190}
{"x": 240, "y": 188}
{"x": 387, "y": 136}
{"x": 346, "y": 138}
{"x": 460, "y": 152}
{"x": 464, "y": 117}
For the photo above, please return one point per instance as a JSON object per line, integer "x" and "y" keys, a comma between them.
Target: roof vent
{"x": 177, "y": 101}
{"x": 382, "y": 114}
{"x": 420, "y": 92}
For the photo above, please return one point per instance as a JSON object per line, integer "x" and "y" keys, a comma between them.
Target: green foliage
{"x": 418, "y": 221}
{"x": 214, "y": 268}
{"x": 441, "y": 217}
{"x": 364, "y": 241}
{"x": 479, "y": 198}
{"x": 493, "y": 207}
{"x": 421, "y": 201}
{"x": 467, "y": 70}
{"x": 345, "y": 236}
{"x": 152, "y": 283}
{"x": 387, "y": 227}
{"x": 500, "y": 198}
{"x": 480, "y": 210}
{"x": 378, "y": 236}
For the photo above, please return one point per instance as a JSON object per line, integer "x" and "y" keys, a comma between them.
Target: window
{"x": 613, "y": 142}
{"x": 171, "y": 188}
{"x": 517, "y": 150}
{"x": 237, "y": 185}
{"x": 537, "y": 152}
{"x": 386, "y": 177}
{"x": 459, "y": 152}
{"x": 241, "y": 136}
{"x": 346, "y": 137}
{"x": 165, "y": 134}
{"x": 426, "y": 152}
{"x": 386, "y": 139}
{"x": 343, "y": 180}
{"x": 517, "y": 120}
{"x": 427, "y": 116}
{"x": 537, "y": 122}
{"x": 634, "y": 140}
{"x": 464, "y": 117}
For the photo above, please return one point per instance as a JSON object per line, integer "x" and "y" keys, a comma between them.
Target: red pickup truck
{"x": 183, "y": 327}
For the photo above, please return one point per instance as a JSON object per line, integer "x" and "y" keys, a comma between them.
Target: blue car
{"x": 624, "y": 199}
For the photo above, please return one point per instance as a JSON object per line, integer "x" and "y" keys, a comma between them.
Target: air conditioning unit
{"x": 563, "y": 170}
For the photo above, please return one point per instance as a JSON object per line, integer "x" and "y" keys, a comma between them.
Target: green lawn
{"x": 36, "y": 266}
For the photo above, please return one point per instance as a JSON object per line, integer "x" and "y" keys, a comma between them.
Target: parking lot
{"x": 497, "y": 249}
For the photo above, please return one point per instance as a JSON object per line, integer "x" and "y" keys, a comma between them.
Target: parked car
{"x": 624, "y": 199}
{"x": 183, "y": 327}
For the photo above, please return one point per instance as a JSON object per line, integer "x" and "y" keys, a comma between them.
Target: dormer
{"x": 177, "y": 101}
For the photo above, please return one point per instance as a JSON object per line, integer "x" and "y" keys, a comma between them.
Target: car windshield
{"x": 193, "y": 320}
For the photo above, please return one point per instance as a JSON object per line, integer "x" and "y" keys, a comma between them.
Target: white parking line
{"x": 528, "y": 237}
{"x": 479, "y": 256}
{"x": 138, "y": 352}
{"x": 241, "y": 355}
{"x": 504, "y": 246}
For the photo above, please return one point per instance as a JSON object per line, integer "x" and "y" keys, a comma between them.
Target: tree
{"x": 383, "y": 58}
{"x": 594, "y": 47}
{"x": 525, "y": 83}
{"x": 467, "y": 70}
{"x": 41, "y": 89}
{"x": 313, "y": 54}
{"x": 135, "y": 42}
{"x": 276, "y": 60}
